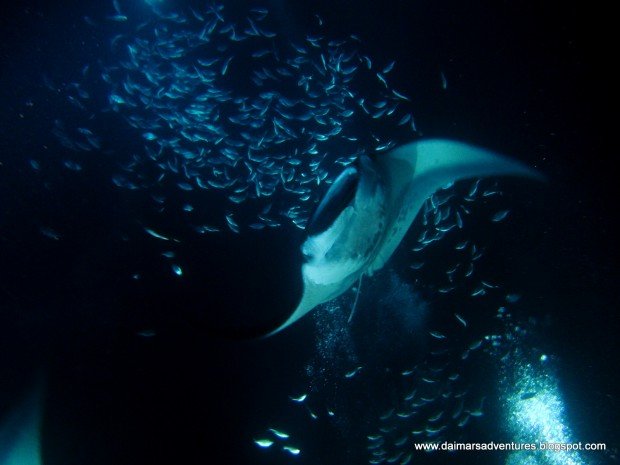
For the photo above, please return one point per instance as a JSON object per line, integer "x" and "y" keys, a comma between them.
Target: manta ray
{"x": 368, "y": 209}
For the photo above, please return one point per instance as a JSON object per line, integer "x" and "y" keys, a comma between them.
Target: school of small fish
{"x": 439, "y": 403}
{"x": 233, "y": 106}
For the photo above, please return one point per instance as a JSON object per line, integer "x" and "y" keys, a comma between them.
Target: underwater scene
{"x": 268, "y": 232}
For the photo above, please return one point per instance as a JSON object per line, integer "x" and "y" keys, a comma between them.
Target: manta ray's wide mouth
{"x": 335, "y": 200}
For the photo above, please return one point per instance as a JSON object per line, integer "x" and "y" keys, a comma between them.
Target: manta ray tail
{"x": 357, "y": 295}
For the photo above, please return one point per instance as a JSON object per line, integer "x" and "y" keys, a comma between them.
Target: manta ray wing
{"x": 413, "y": 172}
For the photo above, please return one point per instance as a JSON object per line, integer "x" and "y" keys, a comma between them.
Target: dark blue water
{"x": 143, "y": 366}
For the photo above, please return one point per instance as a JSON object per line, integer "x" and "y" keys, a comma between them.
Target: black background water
{"x": 528, "y": 79}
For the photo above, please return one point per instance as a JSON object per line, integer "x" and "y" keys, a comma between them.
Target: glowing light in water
{"x": 535, "y": 410}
